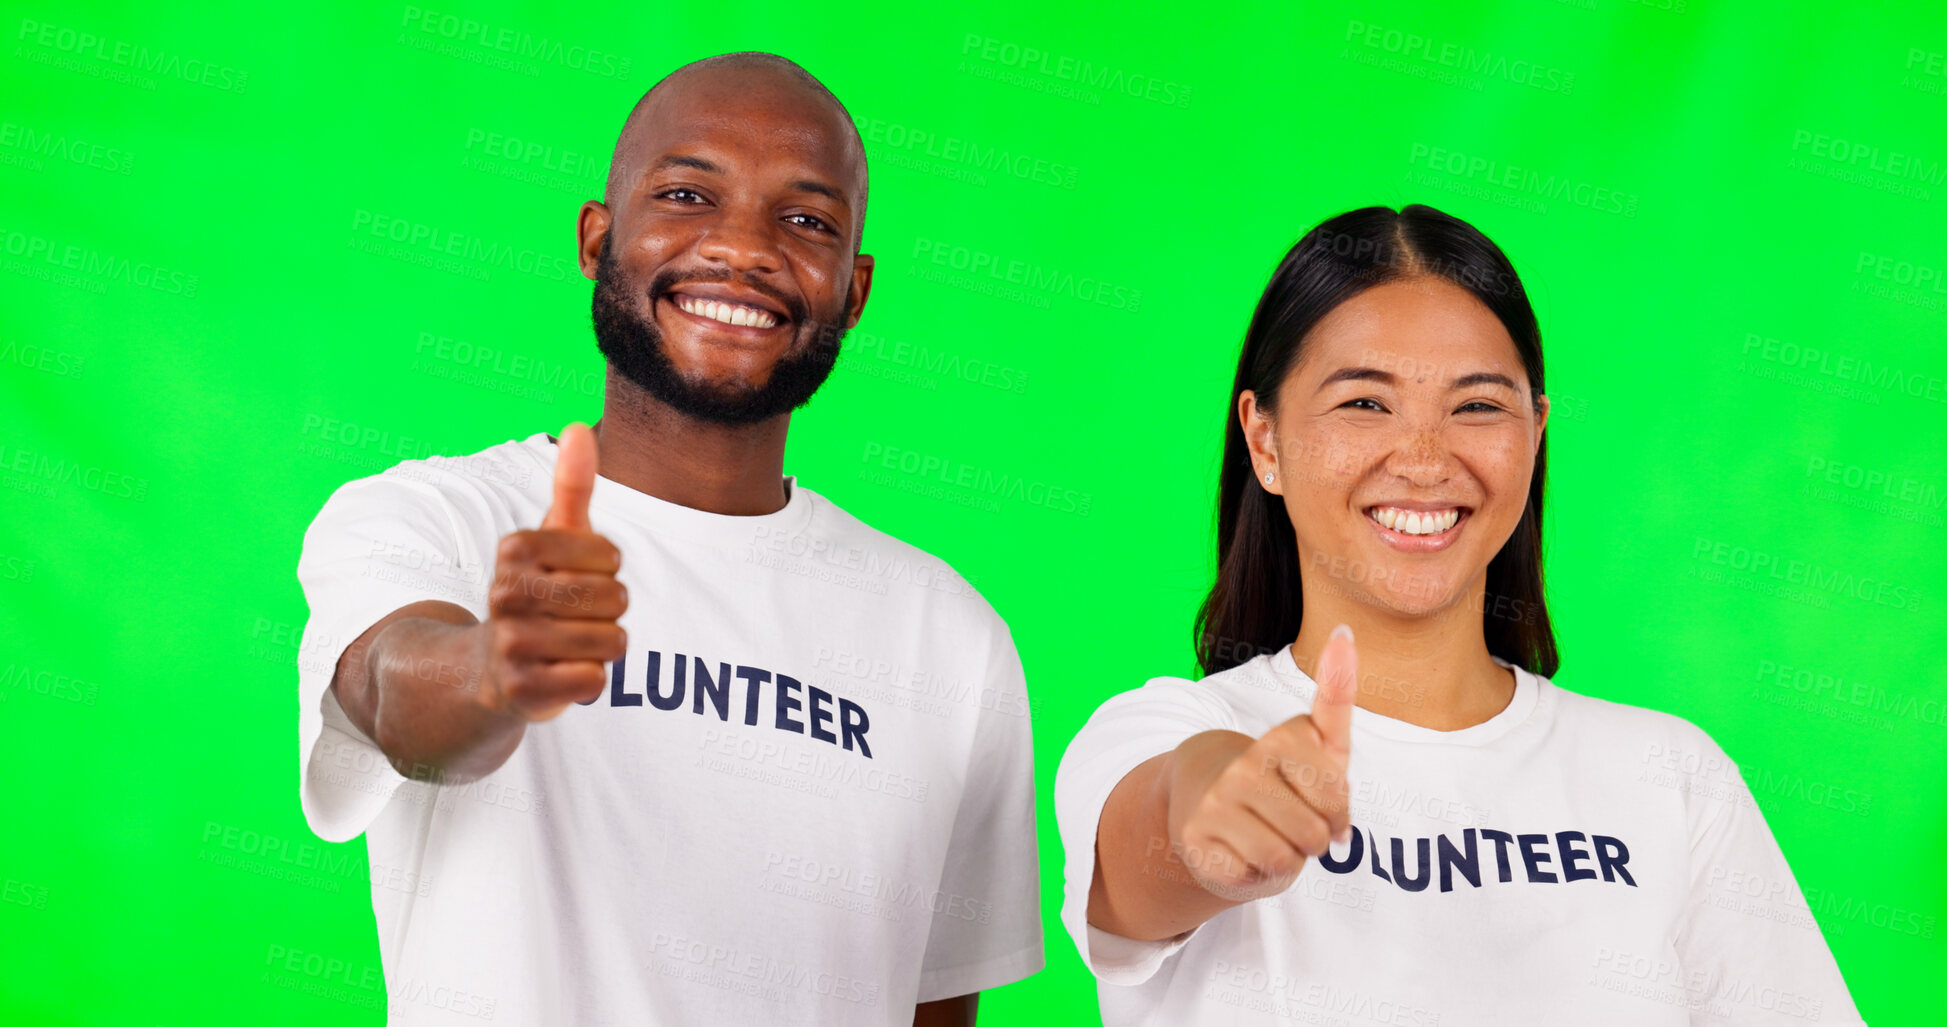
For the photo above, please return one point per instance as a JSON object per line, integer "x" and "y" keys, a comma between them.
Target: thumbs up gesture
{"x": 554, "y": 609}
{"x": 1245, "y": 815}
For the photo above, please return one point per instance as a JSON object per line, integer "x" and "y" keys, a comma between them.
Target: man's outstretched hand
{"x": 555, "y": 606}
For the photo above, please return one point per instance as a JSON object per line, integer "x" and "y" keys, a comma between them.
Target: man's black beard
{"x": 633, "y": 345}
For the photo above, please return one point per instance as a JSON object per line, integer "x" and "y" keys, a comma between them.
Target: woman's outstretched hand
{"x": 1244, "y": 815}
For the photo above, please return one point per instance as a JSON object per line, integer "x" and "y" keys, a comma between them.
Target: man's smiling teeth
{"x": 728, "y": 313}
{"x": 1413, "y": 522}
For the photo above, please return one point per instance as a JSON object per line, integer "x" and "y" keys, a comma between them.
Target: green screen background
{"x": 1729, "y": 218}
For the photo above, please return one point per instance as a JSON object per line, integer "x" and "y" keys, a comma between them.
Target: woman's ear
{"x": 1261, "y": 435}
{"x": 1541, "y": 419}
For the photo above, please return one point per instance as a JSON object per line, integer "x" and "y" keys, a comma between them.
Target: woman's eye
{"x": 1479, "y": 407}
{"x": 1364, "y": 399}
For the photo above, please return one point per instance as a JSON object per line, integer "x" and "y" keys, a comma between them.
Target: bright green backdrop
{"x": 1730, "y": 219}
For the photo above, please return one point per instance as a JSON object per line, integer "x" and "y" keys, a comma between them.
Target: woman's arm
{"x": 1224, "y": 818}
{"x": 1141, "y": 888}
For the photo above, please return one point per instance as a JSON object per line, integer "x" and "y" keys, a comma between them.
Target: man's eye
{"x": 809, "y": 221}
{"x": 680, "y": 195}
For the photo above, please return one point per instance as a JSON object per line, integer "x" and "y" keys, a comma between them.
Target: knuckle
{"x": 514, "y": 641}
{"x": 502, "y": 594}
{"x": 518, "y": 685}
{"x": 518, "y": 547}
{"x": 586, "y": 680}
{"x": 1314, "y": 838}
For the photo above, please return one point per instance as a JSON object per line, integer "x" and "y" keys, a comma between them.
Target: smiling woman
{"x": 1420, "y": 828}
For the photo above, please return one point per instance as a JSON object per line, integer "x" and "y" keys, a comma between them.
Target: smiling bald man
{"x": 638, "y": 728}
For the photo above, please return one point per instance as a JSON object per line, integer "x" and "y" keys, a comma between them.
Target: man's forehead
{"x": 756, "y": 104}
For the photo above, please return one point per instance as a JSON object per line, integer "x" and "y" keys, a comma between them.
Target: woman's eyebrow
{"x": 1374, "y": 374}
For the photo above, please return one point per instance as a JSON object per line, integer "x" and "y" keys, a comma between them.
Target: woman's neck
{"x": 1433, "y": 671}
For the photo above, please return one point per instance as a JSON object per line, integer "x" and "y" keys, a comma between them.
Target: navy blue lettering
{"x": 718, "y": 691}
{"x": 852, "y": 724}
{"x": 617, "y": 696}
{"x": 1500, "y": 840}
{"x": 832, "y": 719}
{"x": 1351, "y": 860}
{"x": 786, "y": 701}
{"x": 651, "y": 684}
{"x": 1535, "y": 860}
{"x": 1399, "y": 866}
{"x": 1609, "y": 861}
{"x": 821, "y": 713}
{"x": 1378, "y": 870}
{"x": 1570, "y": 854}
{"x": 1450, "y": 859}
{"x": 755, "y": 677}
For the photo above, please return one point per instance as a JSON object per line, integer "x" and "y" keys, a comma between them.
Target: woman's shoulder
{"x": 1655, "y": 736}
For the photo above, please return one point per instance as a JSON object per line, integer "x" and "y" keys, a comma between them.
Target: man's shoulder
{"x": 879, "y": 562}
{"x": 514, "y": 466}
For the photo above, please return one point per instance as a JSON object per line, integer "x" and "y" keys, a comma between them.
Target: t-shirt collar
{"x": 1527, "y": 691}
{"x": 673, "y": 518}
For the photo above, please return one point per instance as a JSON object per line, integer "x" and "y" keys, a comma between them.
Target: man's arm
{"x": 411, "y": 683}
{"x": 947, "y": 1012}
{"x": 448, "y": 698}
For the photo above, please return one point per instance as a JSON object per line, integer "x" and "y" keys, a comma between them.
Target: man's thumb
{"x": 574, "y": 479}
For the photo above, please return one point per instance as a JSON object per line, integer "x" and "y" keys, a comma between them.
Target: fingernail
{"x": 1344, "y": 630}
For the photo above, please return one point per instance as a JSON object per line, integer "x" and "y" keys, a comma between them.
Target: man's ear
{"x": 861, "y": 286}
{"x": 591, "y": 229}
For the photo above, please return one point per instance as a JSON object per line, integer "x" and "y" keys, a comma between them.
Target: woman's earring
{"x": 1267, "y": 477}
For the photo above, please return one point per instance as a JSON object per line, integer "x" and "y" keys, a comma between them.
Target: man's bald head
{"x": 746, "y": 71}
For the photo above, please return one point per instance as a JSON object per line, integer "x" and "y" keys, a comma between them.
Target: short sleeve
{"x": 986, "y": 928}
{"x": 379, "y": 544}
{"x": 1750, "y": 948}
{"x": 1124, "y": 732}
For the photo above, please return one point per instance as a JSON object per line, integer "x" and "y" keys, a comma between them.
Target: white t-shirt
{"x": 806, "y": 798}
{"x": 1568, "y": 861}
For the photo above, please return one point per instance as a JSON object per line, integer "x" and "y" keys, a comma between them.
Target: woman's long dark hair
{"x": 1256, "y": 605}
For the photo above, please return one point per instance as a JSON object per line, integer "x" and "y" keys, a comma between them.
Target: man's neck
{"x": 724, "y": 469}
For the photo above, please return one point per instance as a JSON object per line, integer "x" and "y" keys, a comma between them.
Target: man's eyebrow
{"x": 1374, "y": 374}
{"x": 805, "y": 185}
{"x": 678, "y": 160}
{"x": 808, "y": 185}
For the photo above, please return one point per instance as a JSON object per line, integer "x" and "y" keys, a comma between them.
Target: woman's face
{"x": 1403, "y": 444}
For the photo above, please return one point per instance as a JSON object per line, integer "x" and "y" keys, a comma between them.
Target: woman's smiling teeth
{"x": 728, "y": 313}
{"x": 1415, "y": 522}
